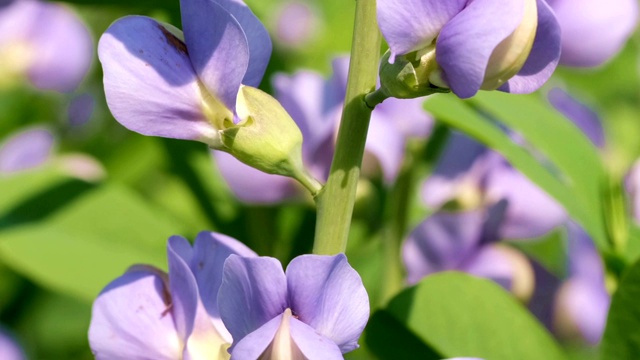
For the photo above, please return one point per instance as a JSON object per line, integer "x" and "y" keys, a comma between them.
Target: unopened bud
{"x": 407, "y": 78}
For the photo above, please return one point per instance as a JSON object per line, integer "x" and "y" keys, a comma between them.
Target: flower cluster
{"x": 220, "y": 299}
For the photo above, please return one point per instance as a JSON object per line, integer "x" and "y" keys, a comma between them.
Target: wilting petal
{"x": 131, "y": 319}
{"x": 26, "y": 150}
{"x": 530, "y": 212}
{"x": 249, "y": 184}
{"x": 594, "y": 30}
{"x": 150, "y": 85}
{"x": 313, "y": 344}
{"x": 580, "y": 114}
{"x": 467, "y": 41}
{"x": 442, "y": 242}
{"x": 544, "y": 55}
{"x": 253, "y": 291}
{"x": 217, "y": 47}
{"x": 414, "y": 24}
{"x": 327, "y": 294}
{"x": 64, "y": 49}
{"x": 257, "y": 38}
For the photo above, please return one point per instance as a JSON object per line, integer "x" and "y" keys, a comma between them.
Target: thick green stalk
{"x": 335, "y": 201}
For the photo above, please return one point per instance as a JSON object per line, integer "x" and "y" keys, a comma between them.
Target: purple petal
{"x": 307, "y": 98}
{"x": 257, "y": 38}
{"x": 594, "y": 30}
{"x": 580, "y": 114}
{"x": 530, "y": 211}
{"x": 25, "y": 150}
{"x": 583, "y": 305}
{"x": 297, "y": 24}
{"x": 249, "y": 184}
{"x": 217, "y": 47}
{"x": 387, "y": 144}
{"x": 313, "y": 345}
{"x": 507, "y": 267}
{"x": 255, "y": 343}
{"x": 9, "y": 348}
{"x": 183, "y": 287}
{"x": 544, "y": 56}
{"x": 327, "y": 294}
{"x": 80, "y": 109}
{"x": 253, "y": 291}
{"x": 131, "y": 319}
{"x": 461, "y": 164}
{"x": 584, "y": 259}
{"x": 150, "y": 85}
{"x": 543, "y": 297}
{"x": 210, "y": 250}
{"x": 632, "y": 185}
{"x": 442, "y": 242}
{"x": 64, "y": 49}
{"x": 408, "y": 115}
{"x": 414, "y": 24}
{"x": 467, "y": 41}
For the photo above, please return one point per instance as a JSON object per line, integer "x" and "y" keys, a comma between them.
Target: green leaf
{"x": 88, "y": 243}
{"x": 458, "y": 315}
{"x": 573, "y": 174}
{"x": 621, "y": 339}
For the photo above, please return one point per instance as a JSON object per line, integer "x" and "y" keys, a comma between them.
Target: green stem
{"x": 335, "y": 201}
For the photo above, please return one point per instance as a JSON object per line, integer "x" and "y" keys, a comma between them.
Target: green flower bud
{"x": 406, "y": 79}
{"x": 267, "y": 138}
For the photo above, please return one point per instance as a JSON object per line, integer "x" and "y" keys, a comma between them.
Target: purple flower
{"x": 148, "y": 314}
{"x": 582, "y": 302}
{"x": 482, "y": 200}
{"x": 25, "y": 150}
{"x": 45, "y": 42}
{"x": 315, "y": 105}
{"x": 161, "y": 82}
{"x": 466, "y": 46}
{"x": 471, "y": 176}
{"x": 296, "y": 24}
{"x": 316, "y": 310}
{"x": 593, "y": 31}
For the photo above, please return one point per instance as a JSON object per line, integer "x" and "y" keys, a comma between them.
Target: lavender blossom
{"x": 148, "y": 314}
{"x": 593, "y": 31}
{"x": 296, "y": 24}
{"x": 161, "y": 82}
{"x": 482, "y": 200}
{"x": 44, "y": 42}
{"x": 582, "y": 302}
{"x": 316, "y": 310}
{"x": 466, "y": 46}
{"x": 315, "y": 105}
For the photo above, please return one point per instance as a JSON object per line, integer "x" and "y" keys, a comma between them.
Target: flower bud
{"x": 405, "y": 79}
{"x": 267, "y": 138}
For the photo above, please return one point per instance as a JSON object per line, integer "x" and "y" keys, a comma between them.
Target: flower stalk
{"x": 336, "y": 200}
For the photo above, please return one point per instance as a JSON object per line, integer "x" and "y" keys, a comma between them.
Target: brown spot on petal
{"x": 173, "y": 40}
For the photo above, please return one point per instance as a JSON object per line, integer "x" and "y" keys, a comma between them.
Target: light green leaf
{"x": 621, "y": 339}
{"x": 458, "y": 315}
{"x": 82, "y": 247}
